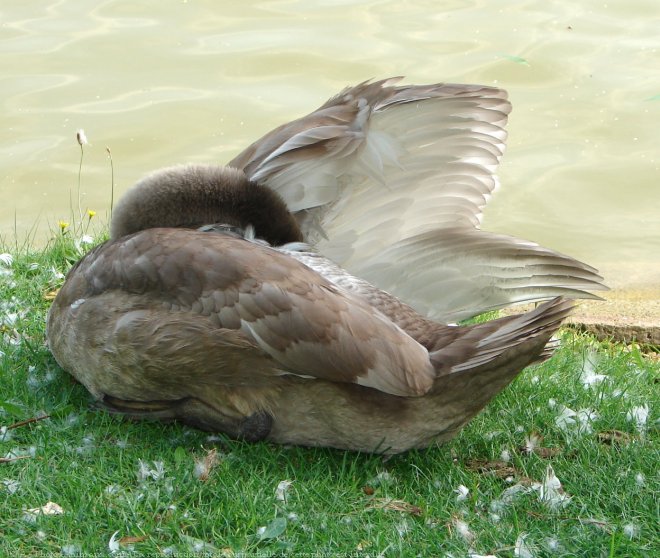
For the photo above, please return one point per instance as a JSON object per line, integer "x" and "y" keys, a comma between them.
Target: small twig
{"x": 27, "y": 421}
{"x": 10, "y": 459}
{"x": 585, "y": 520}
{"x": 112, "y": 181}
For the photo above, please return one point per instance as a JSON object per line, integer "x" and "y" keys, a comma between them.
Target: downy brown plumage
{"x": 243, "y": 328}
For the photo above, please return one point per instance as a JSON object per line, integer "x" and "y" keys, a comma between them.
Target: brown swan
{"x": 209, "y": 306}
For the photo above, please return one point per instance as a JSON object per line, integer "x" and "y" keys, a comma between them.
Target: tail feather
{"x": 491, "y": 340}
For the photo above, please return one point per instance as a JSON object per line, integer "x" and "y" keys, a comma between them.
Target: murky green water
{"x": 199, "y": 80}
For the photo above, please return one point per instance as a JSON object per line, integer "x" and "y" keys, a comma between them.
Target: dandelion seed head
{"x": 402, "y": 527}
{"x": 5, "y": 434}
{"x": 6, "y": 259}
{"x": 70, "y": 550}
{"x": 10, "y": 319}
{"x": 33, "y": 383}
{"x": 522, "y": 548}
{"x": 112, "y": 489}
{"x": 11, "y": 485}
{"x": 509, "y": 494}
{"x": 282, "y": 490}
{"x": 463, "y": 529}
{"x": 145, "y": 472}
{"x": 81, "y": 137}
{"x": 640, "y": 479}
{"x": 589, "y": 378}
{"x": 553, "y": 544}
{"x": 639, "y": 415}
{"x": 505, "y": 456}
{"x": 382, "y": 478}
{"x": 630, "y": 530}
{"x": 551, "y": 492}
{"x": 201, "y": 470}
{"x": 532, "y": 442}
{"x": 461, "y": 493}
{"x": 575, "y": 422}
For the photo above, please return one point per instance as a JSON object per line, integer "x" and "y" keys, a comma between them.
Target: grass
{"x": 135, "y": 489}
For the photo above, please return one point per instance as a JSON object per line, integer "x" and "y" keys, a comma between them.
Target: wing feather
{"x": 382, "y": 169}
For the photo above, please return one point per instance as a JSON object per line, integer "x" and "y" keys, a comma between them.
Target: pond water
{"x": 198, "y": 80}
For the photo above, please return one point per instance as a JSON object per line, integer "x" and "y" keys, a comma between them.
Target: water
{"x": 197, "y": 81}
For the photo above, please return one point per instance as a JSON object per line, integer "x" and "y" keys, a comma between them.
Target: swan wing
{"x": 391, "y": 181}
{"x": 380, "y": 162}
{"x": 308, "y": 326}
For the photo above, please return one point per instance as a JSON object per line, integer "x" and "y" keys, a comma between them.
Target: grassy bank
{"x": 587, "y": 419}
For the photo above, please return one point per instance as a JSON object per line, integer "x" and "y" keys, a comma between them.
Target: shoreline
{"x": 627, "y": 316}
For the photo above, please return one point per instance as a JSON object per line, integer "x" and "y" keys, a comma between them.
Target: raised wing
{"x": 411, "y": 157}
{"x": 381, "y": 170}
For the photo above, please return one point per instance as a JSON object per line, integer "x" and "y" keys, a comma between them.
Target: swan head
{"x": 192, "y": 196}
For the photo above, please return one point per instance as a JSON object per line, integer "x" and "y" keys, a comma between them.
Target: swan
{"x": 302, "y": 294}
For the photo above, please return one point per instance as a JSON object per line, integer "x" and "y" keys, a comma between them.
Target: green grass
{"x": 339, "y": 503}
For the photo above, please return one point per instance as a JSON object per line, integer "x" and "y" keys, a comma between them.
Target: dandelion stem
{"x": 112, "y": 181}
{"x": 82, "y": 152}
{"x": 82, "y": 140}
{"x": 10, "y": 459}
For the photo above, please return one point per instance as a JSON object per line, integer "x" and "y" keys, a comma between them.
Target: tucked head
{"x": 190, "y": 196}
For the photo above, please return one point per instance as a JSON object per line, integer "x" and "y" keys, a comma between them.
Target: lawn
{"x": 563, "y": 463}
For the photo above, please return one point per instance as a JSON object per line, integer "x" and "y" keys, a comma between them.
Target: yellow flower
{"x": 63, "y": 225}
{"x": 91, "y": 213}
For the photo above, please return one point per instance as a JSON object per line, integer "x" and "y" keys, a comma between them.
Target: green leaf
{"x": 11, "y": 408}
{"x": 180, "y": 455}
{"x": 516, "y": 59}
{"x": 274, "y": 529}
